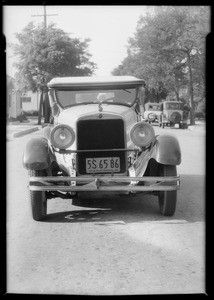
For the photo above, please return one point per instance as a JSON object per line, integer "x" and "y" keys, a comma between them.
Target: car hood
{"x": 71, "y": 115}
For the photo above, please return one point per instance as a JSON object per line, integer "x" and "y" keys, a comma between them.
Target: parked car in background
{"x": 153, "y": 112}
{"x": 98, "y": 146}
{"x": 173, "y": 113}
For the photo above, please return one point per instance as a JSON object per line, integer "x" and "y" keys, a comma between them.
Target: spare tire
{"x": 175, "y": 118}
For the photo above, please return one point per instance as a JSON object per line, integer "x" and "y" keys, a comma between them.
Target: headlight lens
{"x": 151, "y": 116}
{"x": 62, "y": 136}
{"x": 142, "y": 134}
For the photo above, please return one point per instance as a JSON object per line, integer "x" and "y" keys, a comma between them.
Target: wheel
{"x": 38, "y": 199}
{"x": 167, "y": 199}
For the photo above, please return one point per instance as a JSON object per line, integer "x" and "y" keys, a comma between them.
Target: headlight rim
{"x": 54, "y": 143}
{"x": 150, "y": 141}
{"x": 151, "y": 116}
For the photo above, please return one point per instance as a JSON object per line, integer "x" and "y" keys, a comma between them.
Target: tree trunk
{"x": 176, "y": 88}
{"x": 40, "y": 108}
{"x": 46, "y": 108}
{"x": 191, "y": 104}
{"x": 177, "y": 95}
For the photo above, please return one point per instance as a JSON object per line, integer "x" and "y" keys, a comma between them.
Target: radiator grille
{"x": 100, "y": 134}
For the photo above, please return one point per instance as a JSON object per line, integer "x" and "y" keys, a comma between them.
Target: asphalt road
{"x": 108, "y": 246}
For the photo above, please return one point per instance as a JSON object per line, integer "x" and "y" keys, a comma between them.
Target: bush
{"x": 12, "y": 119}
{"x": 31, "y": 113}
{"x": 22, "y": 117}
{"x": 35, "y": 113}
{"x": 24, "y": 113}
{"x": 199, "y": 115}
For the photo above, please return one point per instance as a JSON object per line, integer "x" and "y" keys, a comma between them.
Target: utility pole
{"x": 43, "y": 104}
{"x": 45, "y": 16}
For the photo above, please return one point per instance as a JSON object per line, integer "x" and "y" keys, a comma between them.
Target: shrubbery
{"x": 31, "y": 113}
{"x": 23, "y": 116}
{"x": 199, "y": 115}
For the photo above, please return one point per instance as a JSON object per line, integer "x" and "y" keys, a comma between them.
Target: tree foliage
{"x": 169, "y": 47}
{"x": 44, "y": 53}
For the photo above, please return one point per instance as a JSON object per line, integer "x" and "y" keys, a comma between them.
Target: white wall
{"x": 34, "y": 104}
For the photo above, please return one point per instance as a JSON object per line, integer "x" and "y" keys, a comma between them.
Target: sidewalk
{"x": 200, "y": 126}
{"x": 17, "y": 129}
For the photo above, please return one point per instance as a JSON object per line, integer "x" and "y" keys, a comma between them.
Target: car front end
{"x": 98, "y": 144}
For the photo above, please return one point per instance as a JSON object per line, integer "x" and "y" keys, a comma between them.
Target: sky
{"x": 108, "y": 27}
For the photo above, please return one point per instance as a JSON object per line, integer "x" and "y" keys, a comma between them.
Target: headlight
{"x": 151, "y": 116}
{"x": 62, "y": 136}
{"x": 142, "y": 134}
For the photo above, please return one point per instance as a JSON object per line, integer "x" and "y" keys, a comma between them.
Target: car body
{"x": 153, "y": 110}
{"x": 99, "y": 146}
{"x": 173, "y": 113}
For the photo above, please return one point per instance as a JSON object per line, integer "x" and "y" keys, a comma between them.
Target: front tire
{"x": 167, "y": 199}
{"x": 38, "y": 199}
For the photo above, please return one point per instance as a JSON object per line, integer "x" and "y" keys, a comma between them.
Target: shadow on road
{"x": 105, "y": 211}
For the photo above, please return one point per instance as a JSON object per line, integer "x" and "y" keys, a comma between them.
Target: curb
{"x": 23, "y": 132}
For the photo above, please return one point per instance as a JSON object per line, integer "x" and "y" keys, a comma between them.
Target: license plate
{"x": 102, "y": 164}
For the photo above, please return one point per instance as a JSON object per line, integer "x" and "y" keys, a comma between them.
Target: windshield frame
{"x": 97, "y": 89}
{"x": 168, "y": 104}
{"x": 154, "y": 109}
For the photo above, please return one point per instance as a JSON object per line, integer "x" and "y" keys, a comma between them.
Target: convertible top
{"x": 89, "y": 81}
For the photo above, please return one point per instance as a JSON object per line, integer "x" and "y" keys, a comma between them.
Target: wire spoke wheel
{"x": 38, "y": 199}
{"x": 167, "y": 199}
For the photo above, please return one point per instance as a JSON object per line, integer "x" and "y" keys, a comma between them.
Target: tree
{"x": 169, "y": 46}
{"x": 44, "y": 53}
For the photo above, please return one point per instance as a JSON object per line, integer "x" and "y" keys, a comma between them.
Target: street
{"x": 108, "y": 246}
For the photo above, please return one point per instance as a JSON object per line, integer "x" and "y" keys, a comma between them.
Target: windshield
{"x": 174, "y": 106}
{"x": 154, "y": 107}
{"x": 120, "y": 96}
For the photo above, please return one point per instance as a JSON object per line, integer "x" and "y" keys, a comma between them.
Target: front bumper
{"x": 104, "y": 183}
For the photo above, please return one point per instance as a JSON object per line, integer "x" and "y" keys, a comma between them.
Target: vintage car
{"x": 152, "y": 112}
{"x": 98, "y": 146}
{"x": 173, "y": 113}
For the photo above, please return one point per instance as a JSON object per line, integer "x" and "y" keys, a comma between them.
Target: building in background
{"x": 14, "y": 105}
{"x": 18, "y": 102}
{"x": 30, "y": 101}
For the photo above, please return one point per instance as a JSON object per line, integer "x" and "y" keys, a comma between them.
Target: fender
{"x": 168, "y": 150}
{"x": 37, "y": 154}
